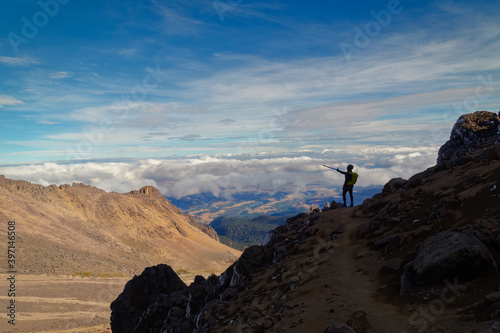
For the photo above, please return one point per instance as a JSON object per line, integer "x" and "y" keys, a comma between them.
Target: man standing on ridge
{"x": 350, "y": 180}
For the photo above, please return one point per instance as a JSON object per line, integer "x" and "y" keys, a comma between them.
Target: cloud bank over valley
{"x": 224, "y": 176}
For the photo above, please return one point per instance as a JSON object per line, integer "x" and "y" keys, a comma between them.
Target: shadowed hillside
{"x": 422, "y": 256}
{"x": 240, "y": 232}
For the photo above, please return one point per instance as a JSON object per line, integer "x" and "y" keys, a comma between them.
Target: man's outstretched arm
{"x": 342, "y": 172}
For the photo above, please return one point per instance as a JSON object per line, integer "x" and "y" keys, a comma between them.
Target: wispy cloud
{"x": 348, "y": 113}
{"x": 175, "y": 19}
{"x": 8, "y": 100}
{"x": 46, "y": 122}
{"x": 286, "y": 88}
{"x": 17, "y": 62}
{"x": 60, "y": 75}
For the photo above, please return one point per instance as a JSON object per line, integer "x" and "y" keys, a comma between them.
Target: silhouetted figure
{"x": 348, "y": 184}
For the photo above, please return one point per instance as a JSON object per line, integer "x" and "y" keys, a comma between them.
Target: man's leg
{"x": 344, "y": 192}
{"x": 350, "y": 194}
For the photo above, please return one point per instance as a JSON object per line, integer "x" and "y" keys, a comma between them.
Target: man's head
{"x": 350, "y": 167}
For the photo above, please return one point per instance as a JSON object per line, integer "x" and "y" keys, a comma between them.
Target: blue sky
{"x": 113, "y": 81}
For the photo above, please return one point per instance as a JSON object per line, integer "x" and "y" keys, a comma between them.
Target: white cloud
{"x": 393, "y": 91}
{"x": 175, "y": 21}
{"x": 60, "y": 75}
{"x": 8, "y": 100}
{"x": 46, "y": 122}
{"x": 17, "y": 62}
{"x": 430, "y": 65}
{"x": 225, "y": 176}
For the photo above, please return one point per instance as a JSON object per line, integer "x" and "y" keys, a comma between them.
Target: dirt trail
{"x": 352, "y": 283}
{"x": 357, "y": 275}
{"x": 354, "y": 279}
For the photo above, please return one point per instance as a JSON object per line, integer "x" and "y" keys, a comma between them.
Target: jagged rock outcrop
{"x": 139, "y": 293}
{"x": 158, "y": 301}
{"x": 469, "y": 133}
{"x": 152, "y": 192}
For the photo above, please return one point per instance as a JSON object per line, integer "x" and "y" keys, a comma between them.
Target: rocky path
{"x": 356, "y": 275}
{"x": 349, "y": 293}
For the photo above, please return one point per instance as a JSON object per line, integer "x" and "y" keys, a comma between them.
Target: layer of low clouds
{"x": 224, "y": 176}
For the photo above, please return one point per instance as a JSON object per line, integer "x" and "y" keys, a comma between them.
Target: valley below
{"x": 59, "y": 303}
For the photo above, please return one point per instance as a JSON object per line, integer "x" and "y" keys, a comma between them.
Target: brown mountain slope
{"x": 422, "y": 256}
{"x": 82, "y": 229}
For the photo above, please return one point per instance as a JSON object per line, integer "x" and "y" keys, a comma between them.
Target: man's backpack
{"x": 354, "y": 178}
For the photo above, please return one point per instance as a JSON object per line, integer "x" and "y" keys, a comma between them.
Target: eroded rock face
{"x": 158, "y": 301}
{"x": 139, "y": 293}
{"x": 468, "y": 133}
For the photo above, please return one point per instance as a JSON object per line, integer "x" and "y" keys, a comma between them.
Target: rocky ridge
{"x": 469, "y": 133}
{"x": 421, "y": 256}
{"x": 80, "y": 229}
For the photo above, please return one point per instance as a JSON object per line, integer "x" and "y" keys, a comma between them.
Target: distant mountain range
{"x": 80, "y": 229}
{"x": 252, "y": 203}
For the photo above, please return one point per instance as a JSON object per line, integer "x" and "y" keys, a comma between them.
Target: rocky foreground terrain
{"x": 422, "y": 256}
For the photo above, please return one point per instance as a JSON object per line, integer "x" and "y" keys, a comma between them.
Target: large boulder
{"x": 393, "y": 185}
{"x": 139, "y": 293}
{"x": 468, "y": 133}
{"x": 448, "y": 255}
{"x": 253, "y": 259}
